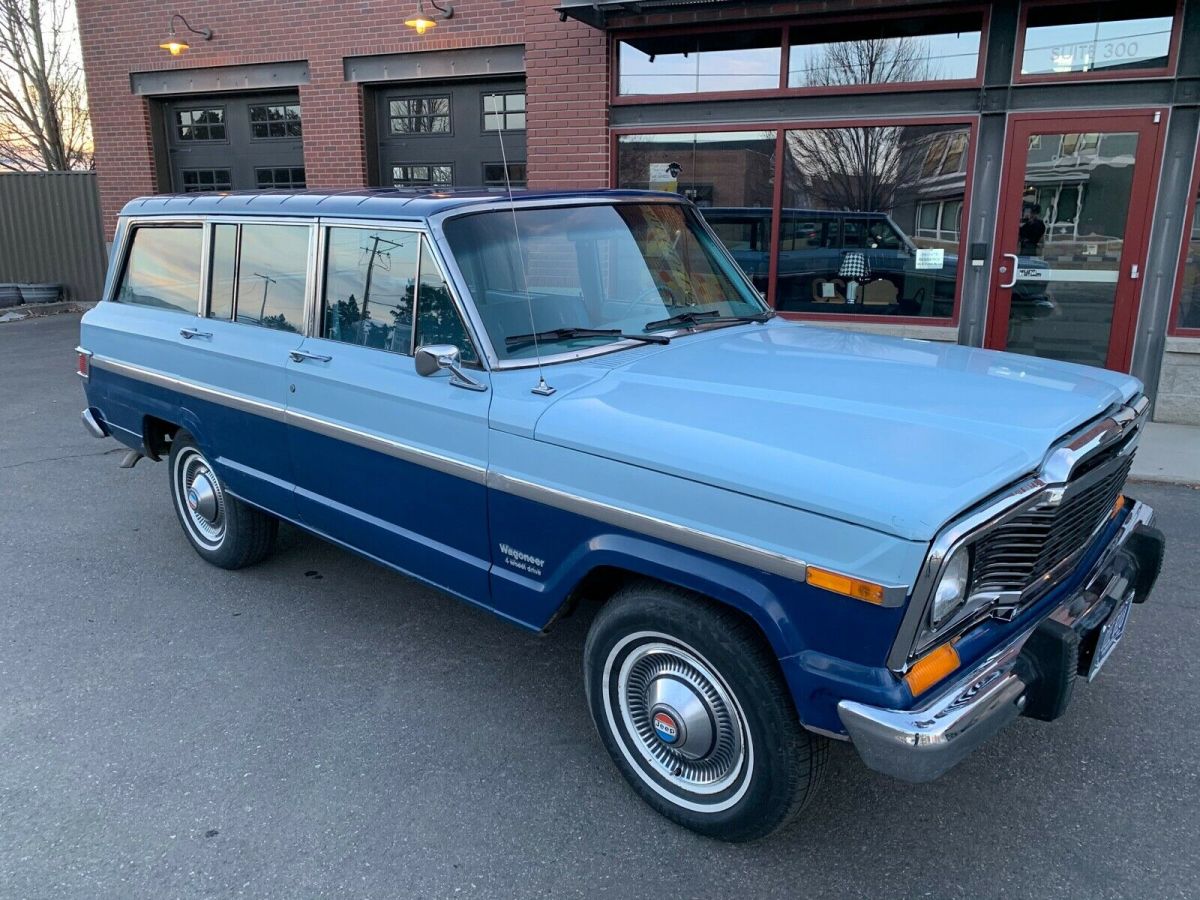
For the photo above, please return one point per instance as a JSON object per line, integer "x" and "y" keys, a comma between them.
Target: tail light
{"x": 83, "y": 363}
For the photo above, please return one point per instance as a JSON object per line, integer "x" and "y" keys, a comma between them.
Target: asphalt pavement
{"x": 317, "y": 726}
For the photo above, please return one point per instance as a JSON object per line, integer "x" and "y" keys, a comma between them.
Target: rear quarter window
{"x": 163, "y": 269}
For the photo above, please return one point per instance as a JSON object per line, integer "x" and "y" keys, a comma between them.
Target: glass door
{"x": 1074, "y": 219}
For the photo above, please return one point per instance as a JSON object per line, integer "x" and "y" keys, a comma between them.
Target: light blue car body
{"x": 724, "y": 463}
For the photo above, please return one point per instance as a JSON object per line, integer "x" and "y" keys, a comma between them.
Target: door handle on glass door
{"x": 1015, "y": 262}
{"x": 188, "y": 333}
{"x": 302, "y": 355}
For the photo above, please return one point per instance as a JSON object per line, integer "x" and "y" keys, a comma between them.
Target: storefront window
{"x": 1189, "y": 297}
{"x": 696, "y": 64}
{"x": 885, "y": 51}
{"x": 1098, "y": 37}
{"x": 729, "y": 175}
{"x": 871, "y": 220}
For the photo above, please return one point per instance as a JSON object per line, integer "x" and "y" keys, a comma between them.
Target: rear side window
{"x": 224, "y": 271}
{"x": 272, "y": 272}
{"x": 163, "y": 269}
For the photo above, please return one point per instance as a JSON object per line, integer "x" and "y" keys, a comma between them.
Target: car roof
{"x": 375, "y": 203}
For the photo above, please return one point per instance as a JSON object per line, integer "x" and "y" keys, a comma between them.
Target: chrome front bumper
{"x": 921, "y": 744}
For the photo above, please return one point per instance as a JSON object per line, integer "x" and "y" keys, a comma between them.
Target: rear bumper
{"x": 1030, "y": 675}
{"x": 93, "y": 424}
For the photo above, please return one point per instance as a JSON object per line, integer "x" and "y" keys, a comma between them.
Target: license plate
{"x": 1110, "y": 635}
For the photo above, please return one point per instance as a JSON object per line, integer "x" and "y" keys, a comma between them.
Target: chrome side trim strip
{"x": 448, "y": 465}
{"x": 234, "y": 401}
{"x": 445, "y": 464}
{"x": 682, "y": 535}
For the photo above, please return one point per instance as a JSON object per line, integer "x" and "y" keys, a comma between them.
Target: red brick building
{"x": 1018, "y": 174}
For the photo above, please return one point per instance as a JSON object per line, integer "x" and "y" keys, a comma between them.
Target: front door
{"x": 1076, "y": 200}
{"x": 388, "y": 461}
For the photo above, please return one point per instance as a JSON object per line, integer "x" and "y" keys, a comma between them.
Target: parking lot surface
{"x": 317, "y": 726}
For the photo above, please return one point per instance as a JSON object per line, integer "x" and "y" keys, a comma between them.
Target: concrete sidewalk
{"x": 1168, "y": 453}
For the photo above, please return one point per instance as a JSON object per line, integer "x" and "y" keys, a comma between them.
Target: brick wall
{"x": 566, "y": 65}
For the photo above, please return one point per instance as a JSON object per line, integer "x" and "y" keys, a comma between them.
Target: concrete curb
{"x": 36, "y": 310}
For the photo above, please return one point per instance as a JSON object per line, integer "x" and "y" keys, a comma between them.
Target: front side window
{"x": 272, "y": 274}
{"x": 631, "y": 267}
{"x": 370, "y": 275}
{"x": 275, "y": 120}
{"x": 419, "y": 115}
{"x": 163, "y": 269}
{"x": 200, "y": 124}
{"x": 504, "y": 112}
{"x": 1105, "y": 37}
{"x": 438, "y": 321}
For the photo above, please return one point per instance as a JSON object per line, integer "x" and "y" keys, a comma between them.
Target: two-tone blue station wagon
{"x": 793, "y": 534}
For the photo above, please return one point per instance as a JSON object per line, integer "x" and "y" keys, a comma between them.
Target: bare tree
{"x": 44, "y": 124}
{"x": 849, "y": 167}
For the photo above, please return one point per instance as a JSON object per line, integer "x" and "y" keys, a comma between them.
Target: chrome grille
{"x": 1022, "y": 552}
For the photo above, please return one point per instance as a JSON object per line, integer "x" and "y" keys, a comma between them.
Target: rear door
{"x": 387, "y": 461}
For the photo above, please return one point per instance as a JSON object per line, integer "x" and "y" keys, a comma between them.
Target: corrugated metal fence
{"x": 50, "y": 231}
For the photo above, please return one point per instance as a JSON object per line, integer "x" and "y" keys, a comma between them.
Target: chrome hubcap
{"x": 201, "y": 499}
{"x": 681, "y": 718}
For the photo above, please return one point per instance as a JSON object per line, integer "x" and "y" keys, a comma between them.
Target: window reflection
{"x": 871, "y": 219}
{"x": 369, "y": 276}
{"x": 163, "y": 269}
{"x": 224, "y": 271}
{"x": 438, "y": 321}
{"x": 272, "y": 272}
{"x": 1090, "y": 37}
{"x": 692, "y": 64}
{"x": 887, "y": 51}
{"x": 1189, "y": 300}
{"x": 729, "y": 175}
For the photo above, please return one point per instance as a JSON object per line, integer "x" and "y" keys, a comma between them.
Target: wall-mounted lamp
{"x": 174, "y": 44}
{"x": 420, "y": 22}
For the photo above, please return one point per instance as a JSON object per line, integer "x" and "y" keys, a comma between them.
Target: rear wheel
{"x": 693, "y": 710}
{"x": 222, "y": 529}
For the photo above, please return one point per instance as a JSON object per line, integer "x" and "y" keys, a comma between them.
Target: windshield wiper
{"x": 517, "y": 341}
{"x": 707, "y": 317}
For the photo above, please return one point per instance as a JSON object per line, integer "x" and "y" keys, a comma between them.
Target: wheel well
{"x": 157, "y": 435}
{"x": 601, "y": 583}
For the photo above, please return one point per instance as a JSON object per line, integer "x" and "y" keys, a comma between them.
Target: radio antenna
{"x": 542, "y": 387}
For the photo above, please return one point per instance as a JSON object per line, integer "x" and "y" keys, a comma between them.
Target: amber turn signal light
{"x": 845, "y": 585}
{"x": 931, "y": 668}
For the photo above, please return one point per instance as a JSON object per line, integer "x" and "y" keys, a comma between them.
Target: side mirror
{"x": 433, "y": 358}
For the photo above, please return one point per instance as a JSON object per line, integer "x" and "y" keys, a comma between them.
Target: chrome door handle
{"x": 188, "y": 333}
{"x": 1015, "y": 260}
{"x": 302, "y": 355}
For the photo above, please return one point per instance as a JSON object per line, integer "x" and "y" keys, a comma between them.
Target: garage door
{"x": 448, "y": 134}
{"x": 235, "y": 142}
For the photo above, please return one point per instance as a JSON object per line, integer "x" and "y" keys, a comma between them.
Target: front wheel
{"x": 693, "y": 710}
{"x": 222, "y": 529}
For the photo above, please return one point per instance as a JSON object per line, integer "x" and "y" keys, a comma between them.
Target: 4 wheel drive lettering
{"x": 686, "y": 489}
{"x": 525, "y": 562}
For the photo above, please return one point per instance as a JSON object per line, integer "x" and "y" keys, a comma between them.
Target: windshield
{"x": 565, "y": 273}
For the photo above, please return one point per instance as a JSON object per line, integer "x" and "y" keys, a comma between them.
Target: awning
{"x": 598, "y": 13}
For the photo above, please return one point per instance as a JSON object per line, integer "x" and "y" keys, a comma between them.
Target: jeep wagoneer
{"x": 792, "y": 534}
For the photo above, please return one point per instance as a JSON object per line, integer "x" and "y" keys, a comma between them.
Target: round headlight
{"x": 951, "y": 588}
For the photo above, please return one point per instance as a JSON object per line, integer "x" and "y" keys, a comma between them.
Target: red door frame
{"x": 1143, "y": 192}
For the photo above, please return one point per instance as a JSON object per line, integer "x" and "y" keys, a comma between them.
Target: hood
{"x": 895, "y": 434}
